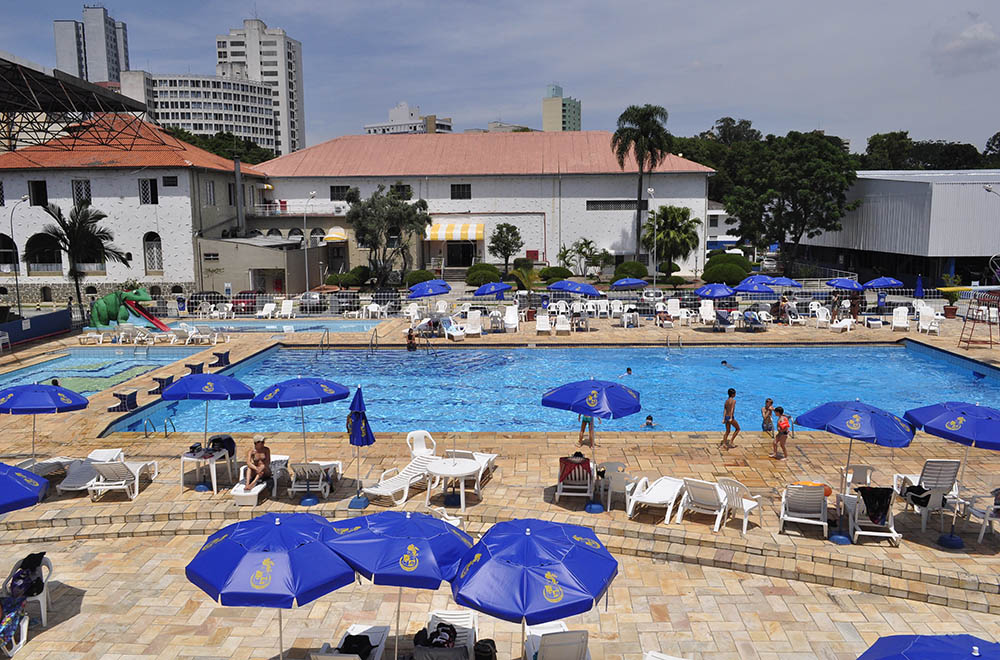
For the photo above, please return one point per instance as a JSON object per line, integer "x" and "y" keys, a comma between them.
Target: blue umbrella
{"x": 361, "y": 435}
{"x": 786, "y": 282}
{"x": 533, "y": 571}
{"x": 207, "y": 387}
{"x": 883, "y": 283}
{"x": 561, "y": 285}
{"x": 752, "y": 287}
{"x": 714, "y": 291}
{"x": 939, "y": 647}
{"x": 270, "y": 561}
{"x": 300, "y": 392}
{"x": 629, "y": 283}
{"x": 492, "y": 287}
{"x": 39, "y": 399}
{"x": 918, "y": 291}
{"x": 582, "y": 288}
{"x": 20, "y": 488}
{"x": 845, "y": 283}
{"x": 757, "y": 279}
{"x": 429, "y": 288}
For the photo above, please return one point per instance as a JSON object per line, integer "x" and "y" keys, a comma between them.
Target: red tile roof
{"x": 442, "y": 154}
{"x": 140, "y": 145}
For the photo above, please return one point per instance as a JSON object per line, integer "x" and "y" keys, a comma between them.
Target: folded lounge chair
{"x": 901, "y": 319}
{"x": 118, "y": 475}
{"x": 394, "y": 481}
{"x": 244, "y": 497}
{"x": 662, "y": 492}
{"x": 554, "y": 641}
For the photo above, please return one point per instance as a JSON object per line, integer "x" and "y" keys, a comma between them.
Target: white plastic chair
{"x": 842, "y": 325}
{"x": 856, "y": 475}
{"x": 703, "y": 497}
{"x": 984, "y": 508}
{"x": 286, "y": 311}
{"x": 706, "y": 312}
{"x": 616, "y": 482}
{"x": 474, "y": 323}
{"x": 421, "y": 443}
{"x": 466, "y": 624}
{"x": 739, "y": 500}
{"x": 662, "y": 492}
{"x": 412, "y": 312}
{"x": 563, "y": 326}
{"x": 926, "y": 321}
{"x": 441, "y": 307}
{"x": 579, "y": 483}
{"x": 616, "y": 308}
{"x": 803, "y": 504}
{"x": 511, "y": 319}
{"x": 603, "y": 309}
{"x": 822, "y": 317}
{"x": 43, "y": 599}
{"x": 901, "y": 319}
{"x": 554, "y": 641}
{"x": 542, "y": 325}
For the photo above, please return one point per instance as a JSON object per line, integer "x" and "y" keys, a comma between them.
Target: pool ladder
{"x": 679, "y": 344}
{"x": 372, "y": 343}
{"x": 324, "y": 341}
{"x": 148, "y": 425}
{"x": 140, "y": 350}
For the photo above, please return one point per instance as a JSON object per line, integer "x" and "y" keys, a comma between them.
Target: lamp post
{"x": 649, "y": 212}
{"x": 305, "y": 238}
{"x": 17, "y": 258}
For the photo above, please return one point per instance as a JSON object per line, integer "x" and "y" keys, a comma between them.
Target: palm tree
{"x": 82, "y": 239}
{"x": 642, "y": 133}
{"x": 676, "y": 233}
{"x": 527, "y": 278}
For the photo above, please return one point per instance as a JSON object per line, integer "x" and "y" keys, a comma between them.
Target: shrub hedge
{"x": 631, "y": 269}
{"x": 417, "y": 276}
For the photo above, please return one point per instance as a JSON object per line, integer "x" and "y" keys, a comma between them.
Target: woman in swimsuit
{"x": 258, "y": 463}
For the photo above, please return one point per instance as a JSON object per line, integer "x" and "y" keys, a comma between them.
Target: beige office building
{"x": 559, "y": 113}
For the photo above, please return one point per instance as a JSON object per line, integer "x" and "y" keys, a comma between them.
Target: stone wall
{"x": 31, "y": 292}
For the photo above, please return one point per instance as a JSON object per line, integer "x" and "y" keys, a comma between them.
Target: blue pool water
{"x": 90, "y": 370}
{"x": 483, "y": 390}
{"x": 281, "y": 325}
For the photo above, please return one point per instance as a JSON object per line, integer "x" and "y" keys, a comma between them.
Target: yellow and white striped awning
{"x": 454, "y": 232}
{"x": 336, "y": 235}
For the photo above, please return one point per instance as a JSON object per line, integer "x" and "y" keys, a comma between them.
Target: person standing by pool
{"x": 779, "y": 439}
{"x": 855, "y": 305}
{"x": 767, "y": 422}
{"x": 729, "y": 419}
{"x": 584, "y": 421}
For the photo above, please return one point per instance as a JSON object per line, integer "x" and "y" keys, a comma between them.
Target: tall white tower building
{"x": 95, "y": 49}
{"x": 257, "y": 52}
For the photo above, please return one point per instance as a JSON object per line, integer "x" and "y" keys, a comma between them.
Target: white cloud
{"x": 973, "y": 49}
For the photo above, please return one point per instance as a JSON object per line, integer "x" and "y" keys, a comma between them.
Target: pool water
{"x": 501, "y": 390}
{"x": 90, "y": 370}
{"x": 284, "y": 325}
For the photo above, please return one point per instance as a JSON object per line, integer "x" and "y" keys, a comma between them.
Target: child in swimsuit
{"x": 784, "y": 424}
{"x": 767, "y": 423}
{"x": 729, "y": 419}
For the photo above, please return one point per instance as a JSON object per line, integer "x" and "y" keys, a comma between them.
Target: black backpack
{"x": 359, "y": 645}
{"x": 27, "y": 579}
{"x": 485, "y": 649}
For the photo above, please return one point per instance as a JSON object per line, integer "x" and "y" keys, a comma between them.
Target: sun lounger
{"x": 91, "y": 338}
{"x": 662, "y": 492}
{"x": 860, "y": 522}
{"x": 703, "y": 497}
{"x": 723, "y": 322}
{"x": 803, "y": 504}
{"x": 511, "y": 319}
{"x": 843, "y": 325}
{"x": 215, "y": 336}
{"x": 18, "y": 639}
{"x": 900, "y": 319}
{"x": 474, "y": 323}
{"x": 244, "y": 497}
{"x": 286, "y": 311}
{"x": 578, "y": 483}
{"x": 123, "y": 476}
{"x": 377, "y": 637}
{"x": 308, "y": 478}
{"x": 563, "y": 326}
{"x": 452, "y": 330}
{"x": 753, "y": 322}
{"x": 466, "y": 624}
{"x": 554, "y": 641}
{"x": 939, "y": 477}
{"x": 393, "y": 481}
{"x": 267, "y": 311}
{"x": 794, "y": 318}
{"x": 543, "y": 326}
{"x": 80, "y": 472}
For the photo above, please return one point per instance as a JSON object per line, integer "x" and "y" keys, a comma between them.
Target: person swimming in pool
{"x": 729, "y": 419}
{"x": 728, "y": 366}
{"x": 649, "y": 423}
{"x": 628, "y": 372}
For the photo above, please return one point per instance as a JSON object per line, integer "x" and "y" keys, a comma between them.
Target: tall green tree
{"x": 942, "y": 155}
{"x": 676, "y": 233}
{"x": 641, "y": 132}
{"x": 386, "y": 224}
{"x": 505, "y": 242}
{"x": 82, "y": 238}
{"x": 729, "y": 131}
{"x": 226, "y": 145}
{"x": 585, "y": 252}
{"x": 889, "y": 151}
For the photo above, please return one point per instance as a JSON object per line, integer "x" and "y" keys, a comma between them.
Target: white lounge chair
{"x": 901, "y": 319}
{"x": 927, "y": 323}
{"x": 842, "y": 325}
{"x": 822, "y": 317}
{"x": 267, "y": 311}
{"x": 740, "y": 500}
{"x": 662, "y": 492}
{"x": 939, "y": 477}
{"x": 579, "y": 483}
{"x": 803, "y": 504}
{"x": 394, "y": 481}
{"x": 43, "y": 599}
{"x": 452, "y": 330}
{"x": 287, "y": 311}
{"x": 511, "y": 319}
{"x": 308, "y": 478}
{"x": 985, "y": 508}
{"x": 856, "y": 475}
{"x": 703, "y": 497}
{"x": 223, "y": 311}
{"x": 91, "y": 338}
{"x": 80, "y": 472}
{"x": 563, "y": 326}
{"x": 466, "y": 624}
{"x": 656, "y": 655}
{"x": 377, "y": 636}
{"x": 123, "y": 476}
{"x": 554, "y": 641}
{"x": 214, "y": 336}
{"x": 474, "y": 323}
{"x": 706, "y": 312}
{"x": 199, "y": 336}
{"x": 860, "y": 523}
{"x": 248, "y": 497}
{"x": 542, "y": 325}
{"x": 418, "y": 443}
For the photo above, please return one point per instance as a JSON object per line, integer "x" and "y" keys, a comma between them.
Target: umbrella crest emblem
{"x": 854, "y": 423}
{"x": 326, "y": 388}
{"x": 6, "y": 398}
{"x": 467, "y": 542}
{"x": 26, "y": 479}
{"x": 346, "y": 530}
{"x": 273, "y": 393}
{"x": 350, "y": 421}
{"x": 475, "y": 559}
{"x": 590, "y": 543}
{"x": 592, "y": 399}
{"x": 552, "y": 591}
{"x": 64, "y": 398}
{"x": 208, "y": 387}
{"x": 955, "y": 424}
{"x": 409, "y": 561}
{"x": 261, "y": 579}
{"x": 213, "y": 543}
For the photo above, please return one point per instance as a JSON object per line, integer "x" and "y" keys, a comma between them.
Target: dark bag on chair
{"x": 27, "y": 579}
{"x": 358, "y": 645}
{"x": 485, "y": 649}
{"x": 917, "y": 495}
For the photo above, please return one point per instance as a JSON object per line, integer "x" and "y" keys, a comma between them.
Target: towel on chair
{"x": 877, "y": 502}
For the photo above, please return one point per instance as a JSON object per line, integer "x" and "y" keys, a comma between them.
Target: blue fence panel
{"x": 43, "y": 325}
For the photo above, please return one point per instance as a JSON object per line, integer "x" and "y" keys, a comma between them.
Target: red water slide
{"x": 138, "y": 309}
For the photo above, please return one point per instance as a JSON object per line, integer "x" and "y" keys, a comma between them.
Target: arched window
{"x": 316, "y": 237}
{"x": 295, "y": 234}
{"x": 155, "y": 291}
{"x": 8, "y": 254}
{"x": 46, "y": 294}
{"x": 44, "y": 254}
{"x": 152, "y": 250}
{"x": 91, "y": 290}
{"x": 3, "y": 291}
{"x": 176, "y": 289}
{"x": 274, "y": 232}
{"x": 254, "y": 233}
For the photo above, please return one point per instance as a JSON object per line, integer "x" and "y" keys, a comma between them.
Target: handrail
{"x": 171, "y": 420}
{"x": 324, "y": 341}
{"x": 373, "y": 342}
{"x": 146, "y": 424}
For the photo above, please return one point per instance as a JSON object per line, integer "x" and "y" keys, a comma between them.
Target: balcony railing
{"x": 92, "y": 268}
{"x": 299, "y": 207}
{"x": 45, "y": 269}
{"x": 9, "y": 269}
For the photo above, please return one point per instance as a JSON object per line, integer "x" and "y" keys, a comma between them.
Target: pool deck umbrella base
{"x": 359, "y": 501}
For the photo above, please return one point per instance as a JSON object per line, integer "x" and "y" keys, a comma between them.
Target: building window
{"x": 274, "y": 232}
{"x": 392, "y": 239}
{"x": 176, "y": 289}
{"x": 46, "y": 294}
{"x": 91, "y": 291}
{"x": 81, "y": 191}
{"x": 400, "y": 190}
{"x": 231, "y": 190}
{"x": 169, "y": 182}
{"x": 210, "y": 193}
{"x": 461, "y": 191}
{"x": 338, "y": 193}
{"x": 152, "y": 250}
{"x": 211, "y": 256}
{"x": 614, "y": 205}
{"x": 38, "y": 193}
{"x": 1, "y": 193}
{"x": 147, "y": 192}
{"x": 316, "y": 237}
{"x": 713, "y": 222}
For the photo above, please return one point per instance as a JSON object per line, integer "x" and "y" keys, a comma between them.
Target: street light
{"x": 305, "y": 238}
{"x": 17, "y": 258}
{"x": 649, "y": 211}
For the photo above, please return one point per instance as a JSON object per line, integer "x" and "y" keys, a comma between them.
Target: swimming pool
{"x": 284, "y": 325}
{"x": 90, "y": 370}
{"x": 500, "y": 390}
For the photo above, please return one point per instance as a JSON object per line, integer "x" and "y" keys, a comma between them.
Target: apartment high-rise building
{"x": 257, "y": 52}
{"x": 95, "y": 49}
{"x": 406, "y": 119}
{"x": 559, "y": 113}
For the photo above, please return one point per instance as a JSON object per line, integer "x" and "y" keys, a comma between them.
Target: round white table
{"x": 451, "y": 469}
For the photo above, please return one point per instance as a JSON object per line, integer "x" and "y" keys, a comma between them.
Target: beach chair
{"x": 822, "y": 317}
{"x": 740, "y": 500}
{"x": 723, "y": 322}
{"x": 242, "y": 496}
{"x": 900, "y": 319}
{"x": 554, "y": 641}
{"x": 418, "y": 443}
{"x": 126, "y": 333}
{"x": 267, "y": 311}
{"x": 511, "y": 319}
{"x": 563, "y": 326}
{"x": 441, "y": 513}
{"x": 706, "y": 312}
{"x": 603, "y": 309}
{"x": 926, "y": 322}
{"x": 91, "y": 338}
{"x": 542, "y": 325}
{"x": 579, "y": 482}
{"x": 861, "y": 524}
{"x": 842, "y": 325}
{"x": 452, "y": 330}
{"x": 752, "y": 322}
{"x": 17, "y": 640}
{"x": 80, "y": 472}
{"x": 662, "y": 492}
{"x": 377, "y": 636}
{"x": 287, "y": 311}
{"x": 985, "y": 508}
{"x": 474, "y": 323}
{"x": 856, "y": 475}
{"x": 939, "y": 477}
{"x": 43, "y": 599}
{"x": 308, "y": 478}
{"x": 121, "y": 475}
{"x": 214, "y": 336}
{"x": 617, "y": 307}
{"x": 394, "y": 481}
{"x": 803, "y": 504}
{"x": 794, "y": 318}
{"x": 703, "y": 497}
{"x": 223, "y": 311}
{"x": 466, "y": 624}
{"x": 616, "y": 482}
{"x": 765, "y": 317}
{"x": 412, "y": 312}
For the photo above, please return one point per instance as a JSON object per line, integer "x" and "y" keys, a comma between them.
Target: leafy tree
{"x": 83, "y": 240}
{"x": 675, "y": 231}
{"x": 711, "y": 153}
{"x": 386, "y": 224}
{"x": 566, "y": 256}
{"x": 790, "y": 187}
{"x": 889, "y": 151}
{"x": 505, "y": 242}
{"x": 641, "y": 132}
{"x": 526, "y": 278}
{"x": 993, "y": 145}
{"x": 585, "y": 252}
{"x": 941, "y": 155}
{"x": 729, "y": 131}
{"x": 226, "y": 145}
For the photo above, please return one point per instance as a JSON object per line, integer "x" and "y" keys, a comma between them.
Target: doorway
{"x": 460, "y": 254}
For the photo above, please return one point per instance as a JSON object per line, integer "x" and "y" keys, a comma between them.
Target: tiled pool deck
{"x": 120, "y": 589}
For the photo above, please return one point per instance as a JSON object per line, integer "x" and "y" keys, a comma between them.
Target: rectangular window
{"x": 169, "y": 182}
{"x": 211, "y": 256}
{"x": 147, "y": 192}
{"x": 400, "y": 189}
{"x": 614, "y": 205}
{"x": 81, "y": 191}
{"x": 237, "y": 43}
{"x": 38, "y": 193}
{"x": 231, "y": 190}
{"x": 210, "y": 193}
{"x": 220, "y": 44}
{"x": 1, "y": 193}
{"x": 338, "y": 193}
{"x": 461, "y": 191}
{"x": 713, "y": 222}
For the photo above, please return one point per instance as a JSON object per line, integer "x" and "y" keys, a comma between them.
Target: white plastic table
{"x": 210, "y": 459}
{"x": 451, "y": 469}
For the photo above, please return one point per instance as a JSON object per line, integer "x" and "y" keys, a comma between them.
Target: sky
{"x": 851, "y": 68}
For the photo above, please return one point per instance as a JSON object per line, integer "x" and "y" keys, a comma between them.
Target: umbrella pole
{"x": 524, "y": 652}
{"x": 33, "y": 420}
{"x": 399, "y": 604}
{"x": 281, "y": 638}
{"x": 951, "y": 540}
{"x": 839, "y": 537}
{"x": 204, "y": 441}
{"x": 961, "y": 472}
{"x": 305, "y": 451}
